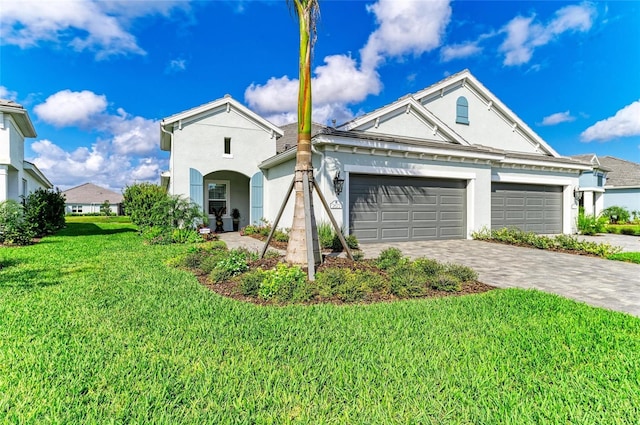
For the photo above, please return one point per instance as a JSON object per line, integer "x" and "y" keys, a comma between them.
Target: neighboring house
{"x": 18, "y": 177}
{"x": 622, "y": 187}
{"x": 592, "y": 185}
{"x": 437, "y": 164}
{"x": 89, "y": 198}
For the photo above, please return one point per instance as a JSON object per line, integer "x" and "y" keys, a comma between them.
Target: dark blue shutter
{"x": 257, "y": 194}
{"x": 196, "y": 193}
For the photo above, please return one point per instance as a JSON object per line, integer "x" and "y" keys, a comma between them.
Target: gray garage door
{"x": 532, "y": 208}
{"x": 386, "y": 208}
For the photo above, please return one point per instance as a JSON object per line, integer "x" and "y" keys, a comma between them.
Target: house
{"x": 18, "y": 177}
{"x": 590, "y": 192}
{"x": 437, "y": 164}
{"x": 88, "y": 198}
{"x": 622, "y": 187}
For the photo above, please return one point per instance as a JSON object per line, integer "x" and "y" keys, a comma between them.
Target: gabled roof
{"x": 590, "y": 158}
{"x": 31, "y": 168}
{"x": 468, "y": 80}
{"x": 90, "y": 193}
{"x": 19, "y": 115}
{"x": 622, "y": 173}
{"x": 409, "y": 104}
{"x": 194, "y": 113}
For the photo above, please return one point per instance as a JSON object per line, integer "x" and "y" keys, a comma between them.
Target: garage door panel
{"x": 409, "y": 208}
{"x": 531, "y": 208}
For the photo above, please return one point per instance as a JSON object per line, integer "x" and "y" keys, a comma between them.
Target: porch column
{"x": 587, "y": 197}
{"x": 4, "y": 182}
{"x": 599, "y": 202}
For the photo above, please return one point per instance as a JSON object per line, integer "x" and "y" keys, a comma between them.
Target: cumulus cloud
{"x": 524, "y": 34}
{"x": 97, "y": 26}
{"x": 7, "y": 94}
{"x": 68, "y": 108}
{"x": 625, "y": 123}
{"x": 404, "y": 28}
{"x": 459, "y": 51}
{"x": 123, "y": 152}
{"x": 557, "y": 118}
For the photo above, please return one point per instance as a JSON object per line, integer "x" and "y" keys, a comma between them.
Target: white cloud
{"x": 557, "y": 118}
{"x": 97, "y": 26}
{"x": 459, "y": 51}
{"x": 625, "y": 123}
{"x": 405, "y": 27}
{"x": 176, "y": 65}
{"x": 524, "y": 35}
{"x": 67, "y": 108}
{"x": 7, "y": 94}
{"x": 97, "y": 164}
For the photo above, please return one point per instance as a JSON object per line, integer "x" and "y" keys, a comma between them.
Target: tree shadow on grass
{"x": 27, "y": 278}
{"x": 90, "y": 229}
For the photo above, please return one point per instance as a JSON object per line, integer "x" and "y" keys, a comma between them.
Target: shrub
{"x": 428, "y": 266}
{"x": 371, "y": 281}
{"x": 13, "y": 227}
{"x": 388, "y": 258}
{"x": 325, "y": 235}
{"x": 250, "y": 282}
{"x": 285, "y": 283}
{"x": 279, "y": 236}
{"x": 446, "y": 282}
{"x": 105, "y": 208}
{"x": 590, "y": 224}
{"x": 185, "y": 235}
{"x": 460, "y": 272}
{"x": 616, "y": 214}
{"x": 234, "y": 263}
{"x": 407, "y": 281}
{"x": 157, "y": 235}
{"x": 328, "y": 281}
{"x": 44, "y": 211}
{"x": 139, "y": 201}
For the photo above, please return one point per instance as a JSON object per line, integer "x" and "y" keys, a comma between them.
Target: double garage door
{"x": 390, "y": 208}
{"x": 532, "y": 208}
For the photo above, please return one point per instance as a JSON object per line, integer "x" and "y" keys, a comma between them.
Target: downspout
{"x": 171, "y": 159}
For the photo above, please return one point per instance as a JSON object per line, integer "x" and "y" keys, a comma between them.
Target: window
{"x": 218, "y": 193}
{"x": 600, "y": 180}
{"x": 462, "y": 111}
{"x": 25, "y": 188}
{"x": 77, "y": 209}
{"x": 227, "y": 145}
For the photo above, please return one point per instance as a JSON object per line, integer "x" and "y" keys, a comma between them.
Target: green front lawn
{"x": 94, "y": 328}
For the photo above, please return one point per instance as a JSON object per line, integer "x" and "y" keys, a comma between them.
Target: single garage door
{"x": 391, "y": 208}
{"x": 532, "y": 208}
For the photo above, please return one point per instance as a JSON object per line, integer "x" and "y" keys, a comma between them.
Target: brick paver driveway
{"x": 604, "y": 283}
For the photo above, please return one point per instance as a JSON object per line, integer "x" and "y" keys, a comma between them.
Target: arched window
{"x": 462, "y": 110}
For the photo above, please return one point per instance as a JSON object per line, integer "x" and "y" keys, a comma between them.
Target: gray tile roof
{"x": 622, "y": 172}
{"x": 89, "y": 193}
{"x": 290, "y": 138}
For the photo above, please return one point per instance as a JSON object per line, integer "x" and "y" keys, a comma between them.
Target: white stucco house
{"x": 437, "y": 164}
{"x": 18, "y": 177}
{"x": 88, "y": 198}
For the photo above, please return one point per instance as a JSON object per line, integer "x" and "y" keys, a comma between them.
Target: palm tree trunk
{"x": 298, "y": 247}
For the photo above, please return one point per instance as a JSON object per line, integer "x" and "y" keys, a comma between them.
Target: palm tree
{"x": 300, "y": 249}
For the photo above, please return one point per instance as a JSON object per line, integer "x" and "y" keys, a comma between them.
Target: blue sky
{"x": 97, "y": 76}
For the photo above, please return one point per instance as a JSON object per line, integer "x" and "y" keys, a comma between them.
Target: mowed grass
{"x": 94, "y": 328}
{"x": 631, "y": 257}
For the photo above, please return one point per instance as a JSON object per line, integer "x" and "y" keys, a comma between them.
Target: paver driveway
{"x": 604, "y": 283}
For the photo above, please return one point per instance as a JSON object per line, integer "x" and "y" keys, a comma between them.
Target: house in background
{"x": 89, "y": 198}
{"x": 437, "y": 164}
{"x": 622, "y": 187}
{"x": 18, "y": 177}
{"x": 591, "y": 185}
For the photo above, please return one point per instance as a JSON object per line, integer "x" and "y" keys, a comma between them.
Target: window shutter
{"x": 196, "y": 192}
{"x": 257, "y": 195}
{"x": 462, "y": 111}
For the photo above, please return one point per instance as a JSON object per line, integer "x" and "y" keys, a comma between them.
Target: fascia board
{"x": 278, "y": 159}
{"x": 21, "y": 120}
{"x": 403, "y": 147}
{"x": 36, "y": 173}
{"x": 542, "y": 163}
{"x": 621, "y": 187}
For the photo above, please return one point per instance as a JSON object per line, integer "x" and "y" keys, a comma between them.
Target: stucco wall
{"x": 627, "y": 198}
{"x": 486, "y": 127}
{"x": 200, "y": 145}
{"x": 402, "y": 124}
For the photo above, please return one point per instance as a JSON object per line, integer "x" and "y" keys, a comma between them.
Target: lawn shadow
{"x": 90, "y": 229}
{"x": 30, "y": 278}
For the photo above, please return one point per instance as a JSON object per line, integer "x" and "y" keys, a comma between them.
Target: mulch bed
{"x": 230, "y": 289}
